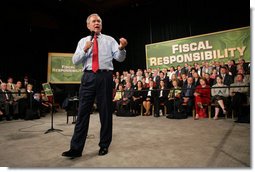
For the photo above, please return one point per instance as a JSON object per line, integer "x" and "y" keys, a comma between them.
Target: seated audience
{"x": 173, "y": 98}
{"x": 7, "y": 105}
{"x": 118, "y": 96}
{"x": 20, "y": 96}
{"x": 161, "y": 97}
{"x": 187, "y": 97}
{"x": 202, "y": 96}
{"x": 239, "y": 92}
{"x": 219, "y": 96}
{"x": 137, "y": 98}
{"x": 149, "y": 95}
{"x": 10, "y": 84}
{"x": 226, "y": 78}
{"x": 126, "y": 97}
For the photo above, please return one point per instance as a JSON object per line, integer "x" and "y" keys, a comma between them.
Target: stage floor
{"x": 142, "y": 141}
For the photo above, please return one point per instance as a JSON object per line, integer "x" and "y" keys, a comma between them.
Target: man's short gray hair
{"x": 94, "y": 14}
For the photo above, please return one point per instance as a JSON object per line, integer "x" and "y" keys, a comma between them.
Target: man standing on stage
{"x": 95, "y": 53}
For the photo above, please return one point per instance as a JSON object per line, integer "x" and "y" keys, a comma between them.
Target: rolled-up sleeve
{"x": 80, "y": 56}
{"x": 118, "y": 54}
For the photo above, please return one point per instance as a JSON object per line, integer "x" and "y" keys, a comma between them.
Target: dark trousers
{"x": 237, "y": 101}
{"x": 99, "y": 86}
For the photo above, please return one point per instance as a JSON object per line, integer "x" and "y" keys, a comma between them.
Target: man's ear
{"x": 88, "y": 26}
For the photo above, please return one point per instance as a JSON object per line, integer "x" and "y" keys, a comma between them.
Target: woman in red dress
{"x": 202, "y": 96}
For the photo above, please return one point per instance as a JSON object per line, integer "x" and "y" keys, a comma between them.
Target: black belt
{"x": 98, "y": 71}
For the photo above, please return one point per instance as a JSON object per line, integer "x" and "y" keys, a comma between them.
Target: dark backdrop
{"x": 31, "y": 29}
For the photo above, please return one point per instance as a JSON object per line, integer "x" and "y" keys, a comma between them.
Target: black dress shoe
{"x": 71, "y": 153}
{"x": 103, "y": 151}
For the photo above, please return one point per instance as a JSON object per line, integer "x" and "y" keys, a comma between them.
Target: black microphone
{"x": 92, "y": 35}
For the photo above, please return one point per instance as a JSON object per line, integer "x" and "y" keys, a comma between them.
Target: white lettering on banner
{"x": 193, "y": 46}
{"x": 232, "y": 52}
{"x": 179, "y": 58}
{"x": 188, "y": 57}
{"x": 165, "y": 60}
{"x": 208, "y": 55}
{"x": 196, "y": 56}
{"x": 160, "y": 61}
{"x": 214, "y": 54}
{"x": 201, "y": 45}
{"x": 153, "y": 61}
{"x": 174, "y": 48}
{"x": 185, "y": 48}
{"x": 172, "y": 59}
{"x": 241, "y": 50}
{"x": 219, "y": 55}
{"x": 226, "y": 52}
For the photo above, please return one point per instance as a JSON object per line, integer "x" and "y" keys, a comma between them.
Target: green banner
{"x": 218, "y": 46}
{"x": 61, "y": 70}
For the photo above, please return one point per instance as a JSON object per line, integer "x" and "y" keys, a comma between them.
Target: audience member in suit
{"x": 126, "y": 98}
{"x": 245, "y": 65}
{"x": 183, "y": 80}
{"x": 217, "y": 67}
{"x": 134, "y": 82}
{"x": 171, "y": 72}
{"x": 116, "y": 83}
{"x": 209, "y": 80}
{"x": 164, "y": 78}
{"x": 10, "y": 84}
{"x": 122, "y": 80}
{"x": 198, "y": 69}
{"x": 196, "y": 79}
{"x": 239, "y": 92}
{"x": 178, "y": 72}
{"x": 161, "y": 97}
{"x": 20, "y": 96}
{"x": 246, "y": 78}
{"x": 8, "y": 106}
{"x": 202, "y": 96}
{"x": 148, "y": 98}
{"x": 232, "y": 68}
{"x": 137, "y": 98}
{"x": 155, "y": 77}
{"x": 173, "y": 98}
{"x": 187, "y": 97}
{"x": 185, "y": 69}
{"x": 227, "y": 79}
{"x": 206, "y": 68}
{"x": 25, "y": 81}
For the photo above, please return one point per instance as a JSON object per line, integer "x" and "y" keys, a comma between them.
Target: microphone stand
{"x": 52, "y": 111}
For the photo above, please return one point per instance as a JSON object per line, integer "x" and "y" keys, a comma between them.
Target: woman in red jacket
{"x": 202, "y": 96}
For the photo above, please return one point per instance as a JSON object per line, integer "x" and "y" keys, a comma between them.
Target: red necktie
{"x": 95, "y": 64}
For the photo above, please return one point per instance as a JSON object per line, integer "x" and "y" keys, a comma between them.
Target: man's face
{"x": 95, "y": 24}
{"x": 190, "y": 80}
{"x": 223, "y": 71}
{"x": 3, "y": 86}
{"x": 18, "y": 85}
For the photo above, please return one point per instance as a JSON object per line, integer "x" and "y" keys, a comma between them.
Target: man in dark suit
{"x": 7, "y": 104}
{"x": 125, "y": 100}
{"x": 227, "y": 79}
{"x": 187, "y": 96}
